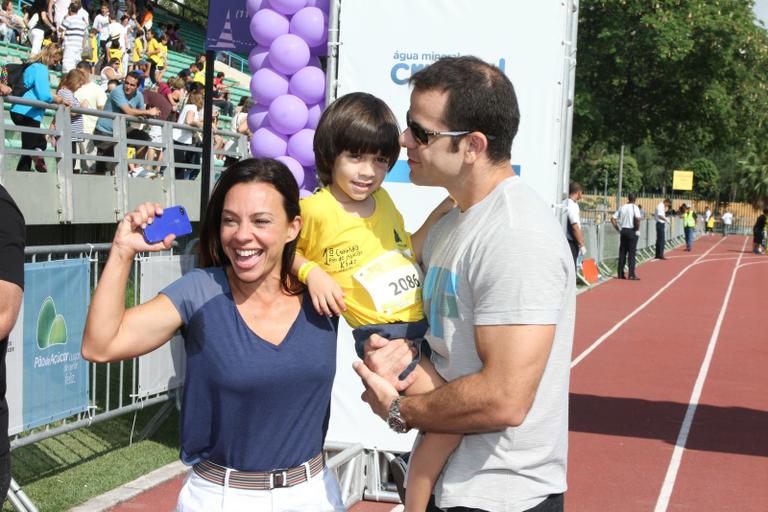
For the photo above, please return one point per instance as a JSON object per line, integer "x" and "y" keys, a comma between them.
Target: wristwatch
{"x": 395, "y": 420}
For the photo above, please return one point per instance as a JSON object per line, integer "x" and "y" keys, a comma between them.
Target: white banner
{"x": 381, "y": 45}
{"x": 162, "y": 369}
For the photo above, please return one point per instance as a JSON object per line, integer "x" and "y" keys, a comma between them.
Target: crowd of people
{"x": 102, "y": 50}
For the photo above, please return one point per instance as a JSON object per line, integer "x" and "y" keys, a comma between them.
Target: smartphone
{"x": 174, "y": 220}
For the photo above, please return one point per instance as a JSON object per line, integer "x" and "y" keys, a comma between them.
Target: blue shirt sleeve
{"x": 191, "y": 291}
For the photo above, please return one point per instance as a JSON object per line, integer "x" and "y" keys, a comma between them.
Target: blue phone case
{"x": 173, "y": 220}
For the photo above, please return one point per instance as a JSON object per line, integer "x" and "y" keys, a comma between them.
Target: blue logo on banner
{"x": 55, "y": 383}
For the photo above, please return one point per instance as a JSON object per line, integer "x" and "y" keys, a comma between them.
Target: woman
{"x": 110, "y": 72}
{"x": 190, "y": 115}
{"x": 38, "y": 87}
{"x": 40, "y": 25}
{"x": 260, "y": 360}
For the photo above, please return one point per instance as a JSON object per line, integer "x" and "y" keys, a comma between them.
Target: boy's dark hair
{"x": 357, "y": 122}
{"x": 480, "y": 98}
{"x": 573, "y": 188}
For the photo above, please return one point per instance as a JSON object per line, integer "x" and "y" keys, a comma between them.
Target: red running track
{"x": 669, "y": 409}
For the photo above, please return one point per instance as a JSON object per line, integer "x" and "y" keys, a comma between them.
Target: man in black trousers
{"x": 626, "y": 220}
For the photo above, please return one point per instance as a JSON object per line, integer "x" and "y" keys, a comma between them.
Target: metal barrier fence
{"x": 111, "y": 197}
{"x": 602, "y": 241}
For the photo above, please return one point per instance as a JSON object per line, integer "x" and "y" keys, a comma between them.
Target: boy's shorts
{"x": 414, "y": 332}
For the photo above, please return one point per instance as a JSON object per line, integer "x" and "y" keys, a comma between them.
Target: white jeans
{"x": 36, "y": 37}
{"x": 319, "y": 494}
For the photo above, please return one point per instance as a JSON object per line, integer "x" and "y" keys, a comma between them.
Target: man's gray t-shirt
{"x": 504, "y": 261}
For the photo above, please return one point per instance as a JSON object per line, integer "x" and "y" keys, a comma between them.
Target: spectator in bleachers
{"x": 69, "y": 85}
{"x": 93, "y": 40}
{"x": 199, "y": 76}
{"x": 155, "y": 54}
{"x": 116, "y": 53}
{"x": 58, "y": 10}
{"x": 175, "y": 90}
{"x": 166, "y": 103}
{"x": 116, "y": 31}
{"x": 40, "y": 25}
{"x": 83, "y": 13}
{"x": 191, "y": 115}
{"x": 11, "y": 24}
{"x": 124, "y": 99}
{"x": 38, "y": 87}
{"x": 93, "y": 95}
{"x": 73, "y": 29}
{"x": 111, "y": 72}
{"x": 221, "y": 95}
{"x": 240, "y": 121}
{"x": 101, "y": 23}
{"x": 137, "y": 48}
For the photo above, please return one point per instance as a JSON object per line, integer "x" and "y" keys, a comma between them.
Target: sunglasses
{"x": 422, "y": 135}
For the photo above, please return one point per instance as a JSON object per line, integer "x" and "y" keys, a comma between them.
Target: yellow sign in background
{"x": 682, "y": 180}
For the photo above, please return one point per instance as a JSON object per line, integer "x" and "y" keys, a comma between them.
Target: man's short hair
{"x": 85, "y": 65}
{"x": 668, "y": 200}
{"x": 135, "y": 75}
{"x": 480, "y": 98}
{"x": 573, "y": 188}
{"x": 631, "y": 197}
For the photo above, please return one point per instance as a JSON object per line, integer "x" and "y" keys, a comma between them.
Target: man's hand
{"x": 378, "y": 393}
{"x": 388, "y": 359}
{"x": 583, "y": 250}
{"x": 154, "y": 112}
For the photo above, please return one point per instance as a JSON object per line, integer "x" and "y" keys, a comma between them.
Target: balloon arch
{"x": 288, "y": 83}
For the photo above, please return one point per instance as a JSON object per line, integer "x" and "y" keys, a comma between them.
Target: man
{"x": 573, "y": 229}
{"x": 166, "y": 108}
{"x": 689, "y": 225}
{"x": 101, "y": 23}
{"x": 125, "y": 100}
{"x": 661, "y": 227}
{"x": 12, "y": 236}
{"x": 74, "y": 31}
{"x": 626, "y": 221}
{"x": 93, "y": 97}
{"x": 499, "y": 295}
{"x": 727, "y": 221}
{"x": 758, "y": 232}
{"x": 11, "y": 24}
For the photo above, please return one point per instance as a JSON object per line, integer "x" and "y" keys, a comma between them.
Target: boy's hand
{"x": 327, "y": 296}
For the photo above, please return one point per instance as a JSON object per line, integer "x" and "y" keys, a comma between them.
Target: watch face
{"x": 397, "y": 425}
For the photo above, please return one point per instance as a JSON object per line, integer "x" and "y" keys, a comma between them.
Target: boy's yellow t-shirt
{"x": 94, "y": 49}
{"x": 372, "y": 259}
{"x": 153, "y": 45}
{"x": 138, "y": 49}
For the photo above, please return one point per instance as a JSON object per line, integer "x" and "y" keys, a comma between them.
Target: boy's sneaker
{"x": 397, "y": 468}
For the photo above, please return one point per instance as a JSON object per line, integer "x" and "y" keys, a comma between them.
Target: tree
{"x": 593, "y": 176}
{"x": 706, "y": 178}
{"x": 754, "y": 181}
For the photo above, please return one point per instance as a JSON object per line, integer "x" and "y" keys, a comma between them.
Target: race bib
{"x": 392, "y": 281}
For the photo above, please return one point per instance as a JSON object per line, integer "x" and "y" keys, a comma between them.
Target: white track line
{"x": 642, "y": 306}
{"x": 682, "y": 438}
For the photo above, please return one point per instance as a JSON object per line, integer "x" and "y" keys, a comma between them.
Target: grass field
{"x": 66, "y": 470}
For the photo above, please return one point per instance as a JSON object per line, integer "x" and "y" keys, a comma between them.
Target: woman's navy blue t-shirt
{"x": 248, "y": 404}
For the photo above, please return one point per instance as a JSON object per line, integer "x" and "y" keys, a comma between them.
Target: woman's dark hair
{"x": 251, "y": 170}
{"x": 357, "y": 122}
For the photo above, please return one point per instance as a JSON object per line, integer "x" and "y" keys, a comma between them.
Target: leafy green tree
{"x": 753, "y": 181}
{"x": 706, "y": 178}
{"x": 592, "y": 177}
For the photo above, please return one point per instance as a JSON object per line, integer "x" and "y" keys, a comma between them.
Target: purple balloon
{"x": 287, "y": 6}
{"x": 295, "y": 167}
{"x": 288, "y": 54}
{"x": 310, "y": 25}
{"x": 267, "y": 84}
{"x": 257, "y": 57}
{"x": 319, "y": 50}
{"x": 253, "y": 6}
{"x": 313, "y": 115}
{"x": 257, "y": 117}
{"x": 300, "y": 147}
{"x": 323, "y": 5}
{"x": 267, "y": 143}
{"x": 288, "y": 114}
{"x": 308, "y": 84}
{"x": 267, "y": 25}
{"x": 310, "y": 178}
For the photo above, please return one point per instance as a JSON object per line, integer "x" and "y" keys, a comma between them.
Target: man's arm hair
{"x": 499, "y": 395}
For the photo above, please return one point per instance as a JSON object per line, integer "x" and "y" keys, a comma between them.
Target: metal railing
{"x": 120, "y": 192}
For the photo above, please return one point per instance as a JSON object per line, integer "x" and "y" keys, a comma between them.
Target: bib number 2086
{"x": 405, "y": 284}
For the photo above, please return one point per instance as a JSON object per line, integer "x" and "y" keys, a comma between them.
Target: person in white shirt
{"x": 661, "y": 227}
{"x": 573, "y": 229}
{"x": 707, "y": 215}
{"x": 74, "y": 30}
{"x": 92, "y": 95}
{"x": 101, "y": 23}
{"x": 626, "y": 220}
{"x": 727, "y": 219}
